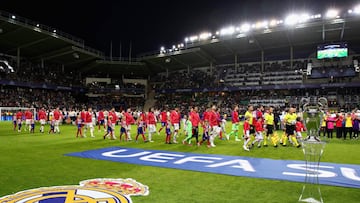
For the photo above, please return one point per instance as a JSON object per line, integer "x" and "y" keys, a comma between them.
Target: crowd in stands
{"x": 276, "y": 72}
{"x": 50, "y": 99}
{"x": 185, "y": 79}
{"x": 49, "y": 74}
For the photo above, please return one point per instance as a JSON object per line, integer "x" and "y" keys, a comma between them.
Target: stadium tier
{"x": 271, "y": 63}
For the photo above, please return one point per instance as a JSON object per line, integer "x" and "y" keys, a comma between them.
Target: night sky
{"x": 152, "y": 24}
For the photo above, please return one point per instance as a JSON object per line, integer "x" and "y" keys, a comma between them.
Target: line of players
{"x": 258, "y": 127}
{"x": 27, "y": 117}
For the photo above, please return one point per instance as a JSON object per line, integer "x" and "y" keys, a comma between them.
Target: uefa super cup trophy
{"x": 313, "y": 147}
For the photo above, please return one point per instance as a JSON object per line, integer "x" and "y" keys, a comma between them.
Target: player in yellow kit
{"x": 269, "y": 123}
{"x": 290, "y": 121}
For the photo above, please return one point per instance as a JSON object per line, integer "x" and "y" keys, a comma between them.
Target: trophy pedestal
{"x": 313, "y": 150}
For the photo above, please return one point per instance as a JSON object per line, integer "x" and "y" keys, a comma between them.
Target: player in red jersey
{"x": 163, "y": 118}
{"x": 205, "y": 126}
{"x": 258, "y": 125}
{"x": 114, "y": 119}
{"x": 83, "y": 118}
{"x": 89, "y": 122}
{"x": 195, "y": 121}
{"x": 299, "y": 128}
{"x": 42, "y": 119}
{"x": 129, "y": 120}
{"x": 101, "y": 119}
{"x": 175, "y": 122}
{"x": 246, "y": 133}
{"x": 19, "y": 115}
{"x": 140, "y": 128}
{"x": 151, "y": 119}
{"x": 57, "y": 118}
{"x": 110, "y": 128}
{"x": 219, "y": 121}
{"x": 214, "y": 125}
{"x": 28, "y": 117}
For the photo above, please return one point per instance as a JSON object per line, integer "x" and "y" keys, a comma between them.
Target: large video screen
{"x": 334, "y": 50}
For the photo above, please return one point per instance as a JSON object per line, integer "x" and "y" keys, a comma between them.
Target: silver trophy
{"x": 313, "y": 148}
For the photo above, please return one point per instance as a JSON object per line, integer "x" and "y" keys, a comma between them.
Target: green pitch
{"x": 37, "y": 160}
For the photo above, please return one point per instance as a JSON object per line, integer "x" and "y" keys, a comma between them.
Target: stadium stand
{"x": 259, "y": 69}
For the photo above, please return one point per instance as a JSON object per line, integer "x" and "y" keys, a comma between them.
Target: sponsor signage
{"x": 345, "y": 175}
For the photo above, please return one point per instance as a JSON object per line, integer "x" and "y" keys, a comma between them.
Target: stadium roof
{"x": 275, "y": 42}
{"x": 39, "y": 42}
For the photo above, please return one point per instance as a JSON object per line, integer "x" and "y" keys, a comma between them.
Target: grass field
{"x": 37, "y": 160}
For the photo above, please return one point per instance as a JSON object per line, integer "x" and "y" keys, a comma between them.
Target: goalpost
{"x": 7, "y": 113}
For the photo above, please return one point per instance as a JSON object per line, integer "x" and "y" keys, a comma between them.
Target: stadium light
{"x": 332, "y": 13}
{"x": 194, "y": 38}
{"x": 227, "y": 31}
{"x": 291, "y": 19}
{"x": 6, "y": 67}
{"x": 205, "y": 35}
{"x": 304, "y": 18}
{"x": 273, "y": 23}
{"x": 261, "y": 24}
{"x": 245, "y": 27}
{"x": 357, "y": 9}
{"x": 162, "y": 50}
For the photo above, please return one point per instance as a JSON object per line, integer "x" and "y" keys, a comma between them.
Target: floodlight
{"x": 273, "y": 23}
{"x": 38, "y": 25}
{"x": 162, "y": 49}
{"x": 182, "y": 45}
{"x": 263, "y": 24}
{"x": 186, "y": 39}
{"x": 291, "y": 19}
{"x": 173, "y": 46}
{"x": 54, "y": 31}
{"x": 194, "y": 38}
{"x": 13, "y": 17}
{"x": 217, "y": 32}
{"x": 227, "y": 31}
{"x": 205, "y": 35}
{"x": 357, "y": 9}
{"x": 304, "y": 17}
{"x": 350, "y": 11}
{"x": 332, "y": 13}
{"x": 245, "y": 27}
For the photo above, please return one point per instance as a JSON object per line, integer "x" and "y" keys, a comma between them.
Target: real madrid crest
{"x": 89, "y": 191}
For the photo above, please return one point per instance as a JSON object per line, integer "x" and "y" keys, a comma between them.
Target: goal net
{"x": 7, "y": 113}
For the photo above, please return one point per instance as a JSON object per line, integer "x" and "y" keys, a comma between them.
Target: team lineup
{"x": 258, "y": 125}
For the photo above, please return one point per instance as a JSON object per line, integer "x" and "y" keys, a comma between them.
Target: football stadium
{"x": 218, "y": 116}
